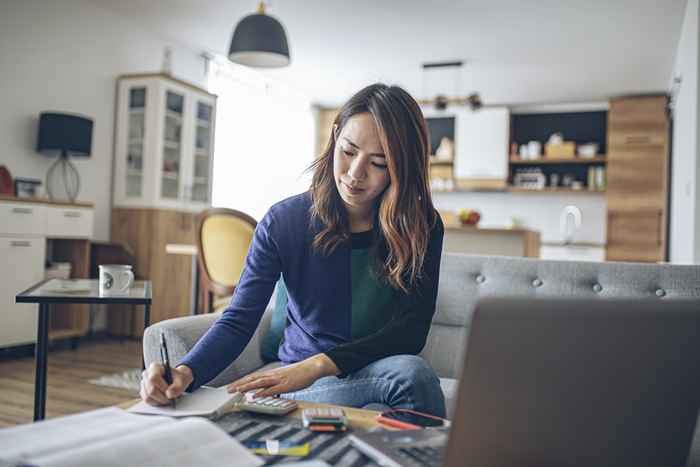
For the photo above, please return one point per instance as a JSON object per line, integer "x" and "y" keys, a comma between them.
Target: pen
{"x": 166, "y": 363}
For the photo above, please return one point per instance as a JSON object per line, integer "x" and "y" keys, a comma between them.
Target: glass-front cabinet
{"x": 164, "y": 143}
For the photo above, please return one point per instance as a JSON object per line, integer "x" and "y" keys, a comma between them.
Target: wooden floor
{"x": 68, "y": 390}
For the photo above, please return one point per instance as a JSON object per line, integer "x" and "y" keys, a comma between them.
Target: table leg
{"x": 194, "y": 289}
{"x": 146, "y": 323}
{"x": 41, "y": 357}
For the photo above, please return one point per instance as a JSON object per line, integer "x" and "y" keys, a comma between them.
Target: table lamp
{"x": 69, "y": 135}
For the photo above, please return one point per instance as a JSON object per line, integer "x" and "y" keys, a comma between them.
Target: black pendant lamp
{"x": 259, "y": 41}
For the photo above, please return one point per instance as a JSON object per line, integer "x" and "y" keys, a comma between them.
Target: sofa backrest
{"x": 464, "y": 279}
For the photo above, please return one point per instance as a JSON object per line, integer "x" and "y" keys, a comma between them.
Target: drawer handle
{"x": 18, "y": 243}
{"x": 637, "y": 139}
{"x": 72, "y": 214}
{"x": 22, "y": 210}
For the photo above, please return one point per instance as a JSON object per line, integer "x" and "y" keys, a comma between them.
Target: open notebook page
{"x": 204, "y": 402}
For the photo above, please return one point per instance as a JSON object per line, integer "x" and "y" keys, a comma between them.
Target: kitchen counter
{"x": 515, "y": 241}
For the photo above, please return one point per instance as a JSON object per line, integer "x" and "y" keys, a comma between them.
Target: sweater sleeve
{"x": 407, "y": 331}
{"x": 229, "y": 335}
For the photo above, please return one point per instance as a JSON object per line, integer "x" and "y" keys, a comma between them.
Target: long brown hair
{"x": 404, "y": 211}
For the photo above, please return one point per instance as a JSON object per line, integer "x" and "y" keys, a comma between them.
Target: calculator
{"x": 265, "y": 405}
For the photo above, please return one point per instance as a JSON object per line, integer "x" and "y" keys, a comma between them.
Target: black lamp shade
{"x": 69, "y": 134}
{"x": 259, "y": 41}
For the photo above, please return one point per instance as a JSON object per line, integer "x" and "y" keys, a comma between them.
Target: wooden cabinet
{"x": 163, "y": 154}
{"x": 146, "y": 232}
{"x": 32, "y": 231}
{"x": 635, "y": 235}
{"x": 637, "y": 179}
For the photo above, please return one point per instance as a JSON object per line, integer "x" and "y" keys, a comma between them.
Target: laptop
{"x": 566, "y": 382}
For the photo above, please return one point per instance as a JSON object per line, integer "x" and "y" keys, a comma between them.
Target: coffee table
{"x": 333, "y": 448}
{"x": 80, "y": 291}
{"x": 357, "y": 418}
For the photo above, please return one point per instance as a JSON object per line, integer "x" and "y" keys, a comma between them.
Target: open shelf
{"x": 550, "y": 160}
{"x": 516, "y": 189}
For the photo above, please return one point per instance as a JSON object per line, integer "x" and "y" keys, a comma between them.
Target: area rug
{"x": 129, "y": 379}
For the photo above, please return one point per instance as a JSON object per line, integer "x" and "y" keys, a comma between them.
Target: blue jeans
{"x": 399, "y": 381}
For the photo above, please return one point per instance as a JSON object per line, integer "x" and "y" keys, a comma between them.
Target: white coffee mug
{"x": 115, "y": 279}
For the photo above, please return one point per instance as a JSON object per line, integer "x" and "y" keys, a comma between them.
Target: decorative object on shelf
{"x": 530, "y": 178}
{"x": 446, "y": 150}
{"x": 468, "y": 216}
{"x": 259, "y": 41}
{"x": 27, "y": 187}
{"x": 516, "y": 223}
{"x": 524, "y": 152}
{"x": 6, "y": 187}
{"x": 554, "y": 180}
{"x": 567, "y": 180}
{"x": 588, "y": 150}
{"x": 70, "y": 135}
{"x": 557, "y": 147}
{"x": 556, "y": 138}
{"x": 534, "y": 149}
{"x": 596, "y": 178}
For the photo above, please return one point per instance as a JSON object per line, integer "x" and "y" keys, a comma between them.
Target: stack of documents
{"x": 113, "y": 437}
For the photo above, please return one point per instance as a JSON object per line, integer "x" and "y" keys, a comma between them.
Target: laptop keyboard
{"x": 425, "y": 456}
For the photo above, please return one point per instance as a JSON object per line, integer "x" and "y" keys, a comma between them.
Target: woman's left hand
{"x": 288, "y": 378}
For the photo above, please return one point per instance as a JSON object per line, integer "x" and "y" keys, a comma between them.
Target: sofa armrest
{"x": 183, "y": 333}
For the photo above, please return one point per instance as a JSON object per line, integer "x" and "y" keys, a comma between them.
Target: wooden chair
{"x": 223, "y": 239}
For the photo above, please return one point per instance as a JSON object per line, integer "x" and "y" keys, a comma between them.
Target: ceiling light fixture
{"x": 259, "y": 41}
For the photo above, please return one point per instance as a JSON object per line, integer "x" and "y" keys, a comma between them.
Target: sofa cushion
{"x": 273, "y": 337}
{"x": 449, "y": 390}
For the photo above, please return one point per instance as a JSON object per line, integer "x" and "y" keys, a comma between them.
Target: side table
{"x": 80, "y": 291}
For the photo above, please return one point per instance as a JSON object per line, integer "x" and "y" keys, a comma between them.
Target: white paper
{"x": 204, "y": 402}
{"x": 188, "y": 442}
{"x": 113, "y": 437}
{"x": 66, "y": 433}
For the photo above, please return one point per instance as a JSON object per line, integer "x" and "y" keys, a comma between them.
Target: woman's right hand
{"x": 154, "y": 389}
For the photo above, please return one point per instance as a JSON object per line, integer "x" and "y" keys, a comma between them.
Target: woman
{"x": 360, "y": 257}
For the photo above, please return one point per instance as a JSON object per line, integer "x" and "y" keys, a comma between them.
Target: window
{"x": 265, "y": 139}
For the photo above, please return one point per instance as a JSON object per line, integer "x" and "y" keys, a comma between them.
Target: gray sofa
{"x": 464, "y": 279}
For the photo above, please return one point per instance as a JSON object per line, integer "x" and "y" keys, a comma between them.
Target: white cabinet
{"x": 23, "y": 219}
{"x": 481, "y": 140}
{"x": 23, "y": 266}
{"x": 481, "y": 143}
{"x": 164, "y": 143}
{"x": 64, "y": 222}
{"x": 29, "y": 229}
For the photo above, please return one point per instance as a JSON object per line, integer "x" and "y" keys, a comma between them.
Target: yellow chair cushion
{"x": 225, "y": 243}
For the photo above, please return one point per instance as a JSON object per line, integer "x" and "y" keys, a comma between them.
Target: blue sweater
{"x": 319, "y": 318}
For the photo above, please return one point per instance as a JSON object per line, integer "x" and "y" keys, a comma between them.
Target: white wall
{"x": 65, "y": 56}
{"x": 684, "y": 232}
{"x": 537, "y": 211}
